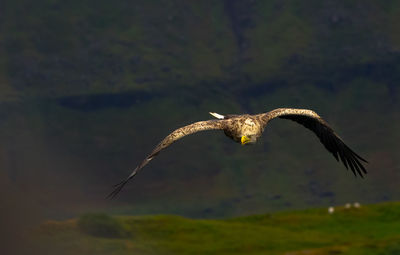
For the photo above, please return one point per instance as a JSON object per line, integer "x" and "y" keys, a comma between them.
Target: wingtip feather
{"x": 118, "y": 187}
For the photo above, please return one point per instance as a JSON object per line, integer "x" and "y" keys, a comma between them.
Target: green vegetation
{"x": 101, "y": 225}
{"x": 371, "y": 229}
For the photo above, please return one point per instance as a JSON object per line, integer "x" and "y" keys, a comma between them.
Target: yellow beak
{"x": 244, "y": 140}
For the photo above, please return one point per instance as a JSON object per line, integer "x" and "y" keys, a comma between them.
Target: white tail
{"x": 218, "y": 116}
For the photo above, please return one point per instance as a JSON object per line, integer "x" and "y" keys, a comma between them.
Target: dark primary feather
{"x": 331, "y": 141}
{"x": 118, "y": 187}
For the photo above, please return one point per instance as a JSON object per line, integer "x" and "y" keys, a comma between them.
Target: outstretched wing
{"x": 332, "y": 142}
{"x": 170, "y": 139}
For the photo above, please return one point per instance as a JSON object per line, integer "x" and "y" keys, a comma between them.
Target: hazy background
{"x": 88, "y": 88}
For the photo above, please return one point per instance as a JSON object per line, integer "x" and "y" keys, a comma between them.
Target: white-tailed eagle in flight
{"x": 246, "y": 129}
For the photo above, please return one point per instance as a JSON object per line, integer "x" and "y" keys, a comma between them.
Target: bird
{"x": 246, "y": 129}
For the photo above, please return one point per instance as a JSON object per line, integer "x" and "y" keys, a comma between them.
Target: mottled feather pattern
{"x": 237, "y": 126}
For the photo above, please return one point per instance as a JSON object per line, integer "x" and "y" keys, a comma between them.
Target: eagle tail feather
{"x": 217, "y": 115}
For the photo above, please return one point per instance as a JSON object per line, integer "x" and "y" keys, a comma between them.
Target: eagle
{"x": 247, "y": 129}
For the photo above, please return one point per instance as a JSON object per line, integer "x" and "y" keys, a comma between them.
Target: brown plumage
{"x": 246, "y": 129}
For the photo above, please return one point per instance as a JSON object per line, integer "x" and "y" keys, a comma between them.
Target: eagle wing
{"x": 167, "y": 141}
{"x": 332, "y": 142}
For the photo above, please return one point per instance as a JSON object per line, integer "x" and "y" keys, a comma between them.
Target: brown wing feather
{"x": 332, "y": 142}
{"x": 167, "y": 141}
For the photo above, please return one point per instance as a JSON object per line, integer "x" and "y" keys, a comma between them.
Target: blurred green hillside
{"x": 55, "y": 48}
{"x": 371, "y": 229}
{"x": 87, "y": 88}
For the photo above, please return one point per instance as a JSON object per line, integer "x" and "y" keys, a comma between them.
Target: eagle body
{"x": 239, "y": 126}
{"x": 247, "y": 129}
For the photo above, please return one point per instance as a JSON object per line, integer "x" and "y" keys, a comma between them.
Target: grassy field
{"x": 371, "y": 229}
